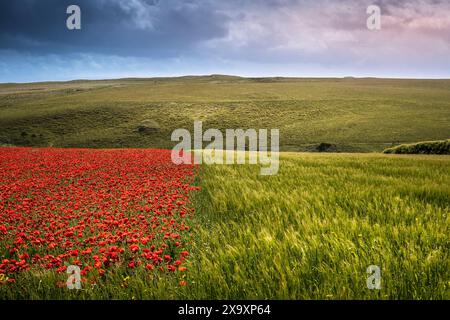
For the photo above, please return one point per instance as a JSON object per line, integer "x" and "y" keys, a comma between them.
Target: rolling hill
{"x": 351, "y": 115}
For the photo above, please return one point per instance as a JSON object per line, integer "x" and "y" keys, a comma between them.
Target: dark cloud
{"x": 117, "y": 27}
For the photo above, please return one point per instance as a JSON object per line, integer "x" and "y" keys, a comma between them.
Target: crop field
{"x": 311, "y": 231}
{"x": 142, "y": 228}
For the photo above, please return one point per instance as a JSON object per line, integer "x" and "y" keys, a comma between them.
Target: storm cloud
{"x": 174, "y": 37}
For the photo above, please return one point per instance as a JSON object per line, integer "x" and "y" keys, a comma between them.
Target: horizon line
{"x": 221, "y": 75}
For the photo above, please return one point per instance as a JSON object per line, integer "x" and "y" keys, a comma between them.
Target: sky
{"x": 150, "y": 38}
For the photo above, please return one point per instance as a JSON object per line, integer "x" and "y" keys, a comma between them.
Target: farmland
{"x": 309, "y": 232}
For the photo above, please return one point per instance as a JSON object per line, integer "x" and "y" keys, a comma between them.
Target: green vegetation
{"x": 427, "y": 147}
{"x": 352, "y": 115}
{"x": 309, "y": 232}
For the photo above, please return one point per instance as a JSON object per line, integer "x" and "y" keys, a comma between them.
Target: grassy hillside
{"x": 349, "y": 114}
{"x": 426, "y": 147}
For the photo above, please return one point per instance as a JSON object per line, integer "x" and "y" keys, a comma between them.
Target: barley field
{"x": 311, "y": 231}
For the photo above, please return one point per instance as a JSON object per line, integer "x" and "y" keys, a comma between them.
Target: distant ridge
{"x": 222, "y": 77}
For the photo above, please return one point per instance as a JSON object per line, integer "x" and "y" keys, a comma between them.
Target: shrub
{"x": 426, "y": 147}
{"x": 326, "y": 147}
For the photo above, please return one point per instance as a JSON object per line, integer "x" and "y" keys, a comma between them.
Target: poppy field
{"x": 107, "y": 211}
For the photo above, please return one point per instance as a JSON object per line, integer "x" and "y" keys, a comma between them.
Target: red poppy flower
{"x": 134, "y": 248}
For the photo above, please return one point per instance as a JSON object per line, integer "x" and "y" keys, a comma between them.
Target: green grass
{"x": 355, "y": 115}
{"x": 309, "y": 232}
{"x": 426, "y": 147}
